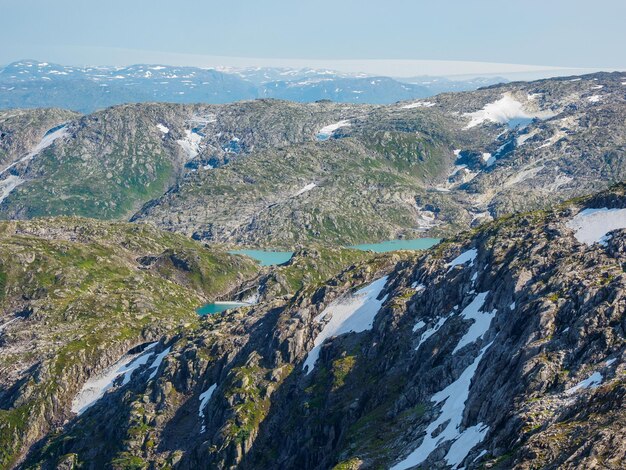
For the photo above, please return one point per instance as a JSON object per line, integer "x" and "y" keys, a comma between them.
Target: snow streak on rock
{"x": 97, "y": 386}
{"x": 469, "y": 255}
{"x": 353, "y": 312}
{"x": 204, "y": 400}
{"x": 453, "y": 398}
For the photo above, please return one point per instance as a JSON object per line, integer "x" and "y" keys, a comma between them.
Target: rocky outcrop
{"x": 74, "y": 299}
{"x": 501, "y": 348}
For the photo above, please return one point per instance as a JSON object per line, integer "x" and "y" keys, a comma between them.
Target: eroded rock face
{"x": 503, "y": 348}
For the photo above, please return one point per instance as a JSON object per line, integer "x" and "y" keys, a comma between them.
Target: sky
{"x": 398, "y": 37}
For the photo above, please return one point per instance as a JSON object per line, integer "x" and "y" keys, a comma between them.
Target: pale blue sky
{"x": 563, "y": 33}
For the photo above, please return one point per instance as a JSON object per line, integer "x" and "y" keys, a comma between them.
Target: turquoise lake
{"x": 217, "y": 307}
{"x": 271, "y": 258}
{"x": 266, "y": 258}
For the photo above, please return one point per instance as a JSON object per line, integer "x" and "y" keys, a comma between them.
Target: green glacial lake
{"x": 217, "y": 307}
{"x": 266, "y": 258}
{"x": 271, "y": 258}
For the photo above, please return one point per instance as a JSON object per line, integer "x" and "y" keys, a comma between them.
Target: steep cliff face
{"x": 501, "y": 348}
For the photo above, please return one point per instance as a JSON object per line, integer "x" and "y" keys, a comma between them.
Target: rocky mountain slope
{"x": 428, "y": 167}
{"x": 75, "y": 295}
{"x": 280, "y": 174}
{"x": 500, "y": 348}
{"x": 108, "y": 164}
{"x": 30, "y": 83}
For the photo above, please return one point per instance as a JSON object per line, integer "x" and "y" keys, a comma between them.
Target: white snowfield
{"x": 593, "y": 381}
{"x": 157, "y": 362}
{"x": 419, "y": 104}
{"x": 190, "y": 144}
{"x": 45, "y": 142}
{"x": 351, "y": 313}
{"x": 592, "y": 225}
{"x": 502, "y": 111}
{"x": 305, "y": 189}
{"x": 594, "y": 99}
{"x": 9, "y": 184}
{"x": 204, "y": 400}
{"x": 469, "y": 255}
{"x": 480, "y": 324}
{"x": 488, "y": 159}
{"x": 453, "y": 398}
{"x": 431, "y": 331}
{"x": 163, "y": 128}
{"x": 97, "y": 386}
{"x": 558, "y": 135}
{"x": 521, "y": 139}
{"x": 326, "y": 131}
{"x": 420, "y": 324}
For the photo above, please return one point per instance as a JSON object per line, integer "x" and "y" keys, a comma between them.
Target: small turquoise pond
{"x": 217, "y": 307}
{"x": 393, "y": 245}
{"x": 266, "y": 258}
{"x": 270, "y": 258}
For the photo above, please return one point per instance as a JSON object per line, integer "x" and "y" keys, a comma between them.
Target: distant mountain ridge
{"x": 34, "y": 84}
{"x": 281, "y": 174}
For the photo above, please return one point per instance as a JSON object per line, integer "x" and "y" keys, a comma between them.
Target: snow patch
{"x": 163, "y": 128}
{"x": 354, "y": 312}
{"x": 419, "y": 325}
{"x": 190, "y": 144}
{"x": 157, "y": 362}
{"x": 453, "y": 397}
{"x": 431, "y": 331}
{"x": 47, "y": 140}
{"x": 594, "y": 99}
{"x": 308, "y": 187}
{"x": 419, "y": 104}
{"x": 593, "y": 381}
{"x": 325, "y": 132}
{"x": 469, "y": 255}
{"x": 4, "y": 325}
{"x": 504, "y": 110}
{"x": 418, "y": 287}
{"x": 204, "y": 400}
{"x": 558, "y": 135}
{"x": 592, "y": 225}
{"x": 488, "y": 159}
{"x": 480, "y": 321}
{"x": 521, "y": 139}
{"x": 97, "y": 386}
{"x": 8, "y": 185}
